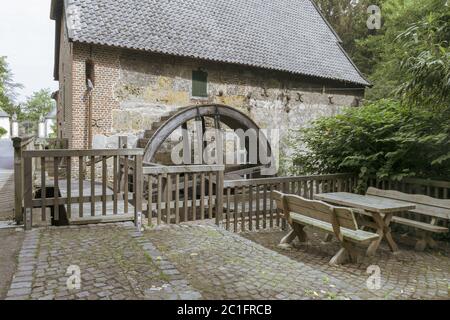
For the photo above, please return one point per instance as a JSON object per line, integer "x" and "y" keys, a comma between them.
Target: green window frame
{"x": 199, "y": 83}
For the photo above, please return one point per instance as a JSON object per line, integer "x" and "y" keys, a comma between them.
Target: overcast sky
{"x": 27, "y": 39}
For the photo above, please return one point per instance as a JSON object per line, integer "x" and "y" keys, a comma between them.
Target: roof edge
{"x": 339, "y": 43}
{"x": 326, "y": 21}
{"x": 368, "y": 83}
{"x": 55, "y": 8}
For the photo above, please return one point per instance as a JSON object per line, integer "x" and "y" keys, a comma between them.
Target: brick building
{"x": 122, "y": 65}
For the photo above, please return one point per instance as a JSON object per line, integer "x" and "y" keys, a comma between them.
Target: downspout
{"x": 90, "y": 88}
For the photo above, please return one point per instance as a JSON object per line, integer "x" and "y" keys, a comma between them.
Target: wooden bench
{"x": 426, "y": 206}
{"x": 301, "y": 212}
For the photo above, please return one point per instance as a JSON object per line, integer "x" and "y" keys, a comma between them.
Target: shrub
{"x": 385, "y": 139}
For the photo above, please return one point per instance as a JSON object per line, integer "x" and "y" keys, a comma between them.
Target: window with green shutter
{"x": 199, "y": 84}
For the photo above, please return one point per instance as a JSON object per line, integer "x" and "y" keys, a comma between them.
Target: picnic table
{"x": 381, "y": 211}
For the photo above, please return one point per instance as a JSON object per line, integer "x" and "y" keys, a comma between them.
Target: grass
{"x": 331, "y": 295}
{"x": 163, "y": 277}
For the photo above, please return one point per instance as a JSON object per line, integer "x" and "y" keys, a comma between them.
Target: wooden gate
{"x": 82, "y": 186}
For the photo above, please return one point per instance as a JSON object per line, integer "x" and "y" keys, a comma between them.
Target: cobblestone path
{"x": 406, "y": 275}
{"x": 202, "y": 261}
{"x": 223, "y": 265}
{"x": 114, "y": 263}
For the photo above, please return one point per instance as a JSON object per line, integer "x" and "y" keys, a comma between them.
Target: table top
{"x": 368, "y": 203}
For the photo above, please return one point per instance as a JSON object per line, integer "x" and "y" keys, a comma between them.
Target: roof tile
{"x": 285, "y": 35}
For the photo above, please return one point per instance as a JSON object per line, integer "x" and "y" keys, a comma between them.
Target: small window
{"x": 90, "y": 72}
{"x": 199, "y": 84}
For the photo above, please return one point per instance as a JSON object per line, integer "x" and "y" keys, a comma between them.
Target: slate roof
{"x": 285, "y": 35}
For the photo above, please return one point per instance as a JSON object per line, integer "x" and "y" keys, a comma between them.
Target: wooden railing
{"x": 432, "y": 188}
{"x": 248, "y": 204}
{"x": 20, "y": 144}
{"x": 52, "y": 143}
{"x": 184, "y": 193}
{"x": 82, "y": 194}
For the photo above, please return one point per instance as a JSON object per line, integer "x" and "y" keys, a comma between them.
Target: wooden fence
{"x": 248, "y": 204}
{"x": 20, "y": 144}
{"x": 184, "y": 193}
{"x": 432, "y": 188}
{"x": 86, "y": 197}
{"x": 107, "y": 185}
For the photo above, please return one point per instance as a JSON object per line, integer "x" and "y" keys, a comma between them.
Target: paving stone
{"x": 19, "y": 292}
{"x": 248, "y": 266}
{"x": 405, "y": 272}
{"x": 201, "y": 261}
{"x": 21, "y": 285}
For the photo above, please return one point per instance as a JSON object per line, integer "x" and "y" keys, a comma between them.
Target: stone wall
{"x": 134, "y": 89}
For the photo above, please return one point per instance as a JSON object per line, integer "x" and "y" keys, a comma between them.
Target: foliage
{"x": 54, "y": 133}
{"x": 426, "y": 67}
{"x": 386, "y": 139}
{"x": 2, "y": 132}
{"x": 408, "y": 133}
{"x": 404, "y": 37}
{"x": 348, "y": 18}
{"x": 39, "y": 105}
{"x": 8, "y": 89}
{"x": 392, "y": 62}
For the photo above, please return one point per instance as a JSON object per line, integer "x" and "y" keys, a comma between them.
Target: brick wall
{"x": 133, "y": 89}
{"x": 106, "y": 73}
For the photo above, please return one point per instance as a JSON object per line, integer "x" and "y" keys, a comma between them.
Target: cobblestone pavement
{"x": 115, "y": 263}
{"x": 195, "y": 261}
{"x": 224, "y": 265}
{"x": 406, "y": 275}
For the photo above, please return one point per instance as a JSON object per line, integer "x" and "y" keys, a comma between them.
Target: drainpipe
{"x": 90, "y": 87}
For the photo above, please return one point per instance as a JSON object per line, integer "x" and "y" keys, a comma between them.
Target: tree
{"x": 38, "y": 105}
{"x": 2, "y": 132}
{"x": 349, "y": 19}
{"x": 387, "y": 53}
{"x": 8, "y": 89}
{"x": 407, "y": 135}
{"x": 381, "y": 55}
{"x": 426, "y": 66}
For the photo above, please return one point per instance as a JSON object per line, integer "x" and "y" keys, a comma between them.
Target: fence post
{"x": 18, "y": 179}
{"x": 219, "y": 196}
{"x": 122, "y": 144}
{"x": 28, "y": 192}
{"x": 138, "y": 187}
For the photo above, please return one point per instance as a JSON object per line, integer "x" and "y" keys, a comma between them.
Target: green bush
{"x": 385, "y": 139}
{"x": 2, "y": 132}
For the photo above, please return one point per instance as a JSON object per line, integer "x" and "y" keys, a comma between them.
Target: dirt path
{"x": 10, "y": 244}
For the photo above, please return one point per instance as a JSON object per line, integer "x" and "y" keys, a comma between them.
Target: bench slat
{"x": 425, "y": 205}
{"x": 318, "y": 210}
{"x": 358, "y": 236}
{"x": 420, "y": 225}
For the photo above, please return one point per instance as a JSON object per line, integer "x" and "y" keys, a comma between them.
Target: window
{"x": 90, "y": 74}
{"x": 199, "y": 84}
